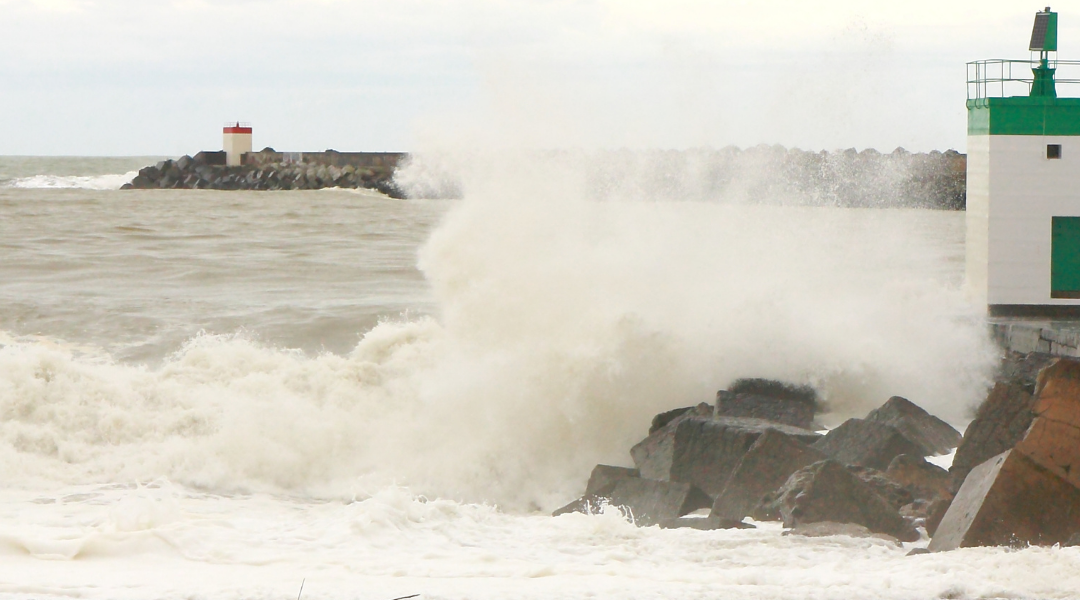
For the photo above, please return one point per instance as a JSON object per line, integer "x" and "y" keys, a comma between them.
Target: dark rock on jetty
{"x": 207, "y": 170}
{"x": 827, "y": 491}
{"x": 647, "y": 501}
{"x": 770, "y": 400}
{"x": 764, "y": 468}
{"x": 703, "y": 450}
{"x": 868, "y": 473}
{"x": 934, "y": 435}
{"x": 866, "y": 443}
{"x": 849, "y": 178}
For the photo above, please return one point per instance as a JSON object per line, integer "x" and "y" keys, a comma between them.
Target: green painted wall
{"x": 1065, "y": 257}
{"x": 1024, "y": 115}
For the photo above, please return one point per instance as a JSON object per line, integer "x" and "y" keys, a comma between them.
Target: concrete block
{"x": 827, "y": 491}
{"x": 933, "y": 434}
{"x": 703, "y": 451}
{"x": 1009, "y": 500}
{"x": 763, "y": 469}
{"x": 604, "y": 477}
{"x": 867, "y": 444}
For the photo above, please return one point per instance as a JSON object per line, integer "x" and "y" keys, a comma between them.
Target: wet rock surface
{"x": 1031, "y": 493}
{"x": 1000, "y": 423}
{"x": 770, "y": 400}
{"x": 828, "y": 491}
{"x": 647, "y": 501}
{"x": 934, "y": 435}
{"x": 867, "y": 444}
{"x": 207, "y": 170}
{"x": 767, "y": 464}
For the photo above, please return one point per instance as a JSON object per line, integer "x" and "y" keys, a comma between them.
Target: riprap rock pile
{"x": 206, "y": 170}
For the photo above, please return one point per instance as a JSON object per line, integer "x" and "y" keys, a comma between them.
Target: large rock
{"x": 769, "y": 400}
{"x": 703, "y": 451}
{"x": 661, "y": 420}
{"x": 1010, "y": 500}
{"x": 604, "y": 477}
{"x": 828, "y": 491}
{"x": 648, "y": 501}
{"x": 1053, "y": 440}
{"x": 933, "y": 434}
{"x": 925, "y": 481}
{"x": 772, "y": 458}
{"x": 1000, "y": 423}
{"x": 895, "y": 494}
{"x": 866, "y": 444}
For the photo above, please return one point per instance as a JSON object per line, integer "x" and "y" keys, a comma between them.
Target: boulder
{"x": 769, "y": 400}
{"x": 647, "y": 501}
{"x": 703, "y": 451}
{"x": 772, "y": 458}
{"x": 184, "y": 163}
{"x": 891, "y": 491}
{"x": 828, "y": 491}
{"x": 662, "y": 419}
{"x": 1053, "y": 440}
{"x": 933, "y": 434}
{"x": 209, "y": 158}
{"x": 1000, "y": 423}
{"x": 925, "y": 481}
{"x": 604, "y": 477}
{"x": 1009, "y": 500}
{"x": 866, "y": 443}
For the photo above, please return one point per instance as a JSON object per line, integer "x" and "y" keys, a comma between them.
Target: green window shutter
{"x": 1065, "y": 257}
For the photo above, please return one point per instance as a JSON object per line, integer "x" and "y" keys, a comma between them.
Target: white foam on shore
{"x": 164, "y": 541}
{"x": 84, "y": 182}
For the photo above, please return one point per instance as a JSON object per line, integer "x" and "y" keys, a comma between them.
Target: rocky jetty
{"x": 267, "y": 170}
{"x": 1015, "y": 479}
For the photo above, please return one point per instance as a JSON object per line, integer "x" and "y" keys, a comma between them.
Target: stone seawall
{"x": 270, "y": 170}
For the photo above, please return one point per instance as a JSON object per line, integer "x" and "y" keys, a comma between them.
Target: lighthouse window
{"x": 1053, "y": 151}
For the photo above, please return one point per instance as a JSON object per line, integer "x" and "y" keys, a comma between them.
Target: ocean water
{"x": 226, "y": 394}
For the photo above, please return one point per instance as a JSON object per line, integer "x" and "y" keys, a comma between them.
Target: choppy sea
{"x": 228, "y": 394}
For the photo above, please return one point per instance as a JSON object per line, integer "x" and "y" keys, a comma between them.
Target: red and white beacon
{"x": 237, "y": 141}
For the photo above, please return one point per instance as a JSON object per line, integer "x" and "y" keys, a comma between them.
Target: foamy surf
{"x": 72, "y": 182}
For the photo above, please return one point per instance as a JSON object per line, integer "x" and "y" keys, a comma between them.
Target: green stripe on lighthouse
{"x": 1024, "y": 115}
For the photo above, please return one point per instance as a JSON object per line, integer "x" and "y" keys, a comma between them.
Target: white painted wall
{"x": 235, "y": 145}
{"x": 1013, "y": 191}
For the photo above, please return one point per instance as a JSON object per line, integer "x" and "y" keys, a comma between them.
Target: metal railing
{"x": 237, "y": 124}
{"x": 1000, "y": 78}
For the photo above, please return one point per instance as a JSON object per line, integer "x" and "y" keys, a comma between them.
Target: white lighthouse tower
{"x": 1023, "y": 182}
{"x": 237, "y": 141}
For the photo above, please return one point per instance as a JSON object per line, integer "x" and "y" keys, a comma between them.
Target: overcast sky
{"x": 126, "y": 77}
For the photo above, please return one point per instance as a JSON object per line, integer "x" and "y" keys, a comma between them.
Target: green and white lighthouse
{"x": 1023, "y": 182}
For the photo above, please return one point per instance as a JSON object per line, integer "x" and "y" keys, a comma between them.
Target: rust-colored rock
{"x": 924, "y": 480}
{"x": 1010, "y": 500}
{"x": 1053, "y": 440}
{"x": 999, "y": 424}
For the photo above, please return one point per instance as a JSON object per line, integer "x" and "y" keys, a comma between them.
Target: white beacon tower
{"x": 1023, "y": 183}
{"x": 237, "y": 142}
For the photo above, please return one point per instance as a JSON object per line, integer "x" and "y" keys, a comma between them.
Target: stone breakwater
{"x": 269, "y": 170}
{"x": 1014, "y": 478}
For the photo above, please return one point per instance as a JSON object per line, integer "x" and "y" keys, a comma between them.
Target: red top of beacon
{"x": 237, "y": 127}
